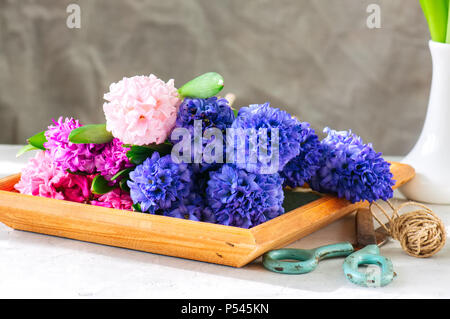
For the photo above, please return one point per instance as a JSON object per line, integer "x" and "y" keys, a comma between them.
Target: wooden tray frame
{"x": 207, "y": 242}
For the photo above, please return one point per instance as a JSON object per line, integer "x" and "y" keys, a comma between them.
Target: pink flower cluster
{"x": 106, "y": 159}
{"x": 67, "y": 155}
{"x": 141, "y": 110}
{"x": 112, "y": 159}
{"x": 115, "y": 199}
{"x": 42, "y": 177}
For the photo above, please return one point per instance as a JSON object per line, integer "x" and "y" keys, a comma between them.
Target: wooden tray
{"x": 172, "y": 236}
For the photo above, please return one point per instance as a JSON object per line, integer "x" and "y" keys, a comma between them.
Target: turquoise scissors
{"x": 365, "y": 252}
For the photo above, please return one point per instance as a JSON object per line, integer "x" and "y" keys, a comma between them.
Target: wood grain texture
{"x": 171, "y": 236}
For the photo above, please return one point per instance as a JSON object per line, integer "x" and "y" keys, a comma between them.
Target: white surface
{"x": 431, "y": 155}
{"x": 34, "y": 265}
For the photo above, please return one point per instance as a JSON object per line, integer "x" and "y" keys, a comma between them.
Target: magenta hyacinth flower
{"x": 112, "y": 159}
{"x": 67, "y": 155}
{"x": 106, "y": 159}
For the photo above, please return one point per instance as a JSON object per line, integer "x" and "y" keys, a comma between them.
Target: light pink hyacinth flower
{"x": 40, "y": 177}
{"x": 141, "y": 110}
{"x": 114, "y": 199}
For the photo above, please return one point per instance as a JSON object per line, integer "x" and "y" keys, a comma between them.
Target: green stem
{"x": 423, "y": 4}
{"x": 448, "y": 25}
{"x": 436, "y": 12}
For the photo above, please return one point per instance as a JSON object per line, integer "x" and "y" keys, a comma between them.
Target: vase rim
{"x": 439, "y": 44}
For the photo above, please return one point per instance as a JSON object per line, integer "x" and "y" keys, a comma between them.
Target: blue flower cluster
{"x": 243, "y": 199}
{"x": 301, "y": 168}
{"x": 160, "y": 186}
{"x": 158, "y": 183}
{"x": 192, "y": 208}
{"x": 351, "y": 169}
{"x": 263, "y": 116}
{"x": 240, "y": 194}
{"x": 214, "y": 113}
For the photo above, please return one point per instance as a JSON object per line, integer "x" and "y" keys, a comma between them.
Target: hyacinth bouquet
{"x": 185, "y": 153}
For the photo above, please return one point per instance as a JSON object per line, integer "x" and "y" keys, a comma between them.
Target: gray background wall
{"x": 315, "y": 58}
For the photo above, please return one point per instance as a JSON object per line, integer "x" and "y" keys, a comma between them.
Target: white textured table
{"x": 34, "y": 265}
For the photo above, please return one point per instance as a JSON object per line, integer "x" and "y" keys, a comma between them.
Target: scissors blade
{"x": 365, "y": 232}
{"x": 382, "y": 235}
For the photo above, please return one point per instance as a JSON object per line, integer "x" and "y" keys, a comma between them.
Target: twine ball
{"x": 420, "y": 232}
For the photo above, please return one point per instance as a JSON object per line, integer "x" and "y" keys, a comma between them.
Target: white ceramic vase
{"x": 431, "y": 155}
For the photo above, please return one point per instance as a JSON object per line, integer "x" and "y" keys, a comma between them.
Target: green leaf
{"x": 91, "y": 134}
{"x": 100, "y": 185}
{"x": 25, "y": 149}
{"x": 122, "y": 174}
{"x": 423, "y": 4}
{"x": 77, "y": 173}
{"x": 203, "y": 86}
{"x": 138, "y": 154}
{"x": 38, "y": 140}
{"x": 137, "y": 207}
{"x": 293, "y": 200}
{"x": 447, "y": 40}
{"x": 163, "y": 148}
{"x": 235, "y": 112}
{"x": 124, "y": 186}
{"x": 436, "y": 13}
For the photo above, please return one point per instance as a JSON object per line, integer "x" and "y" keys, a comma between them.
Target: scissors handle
{"x": 378, "y": 276}
{"x": 307, "y": 260}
